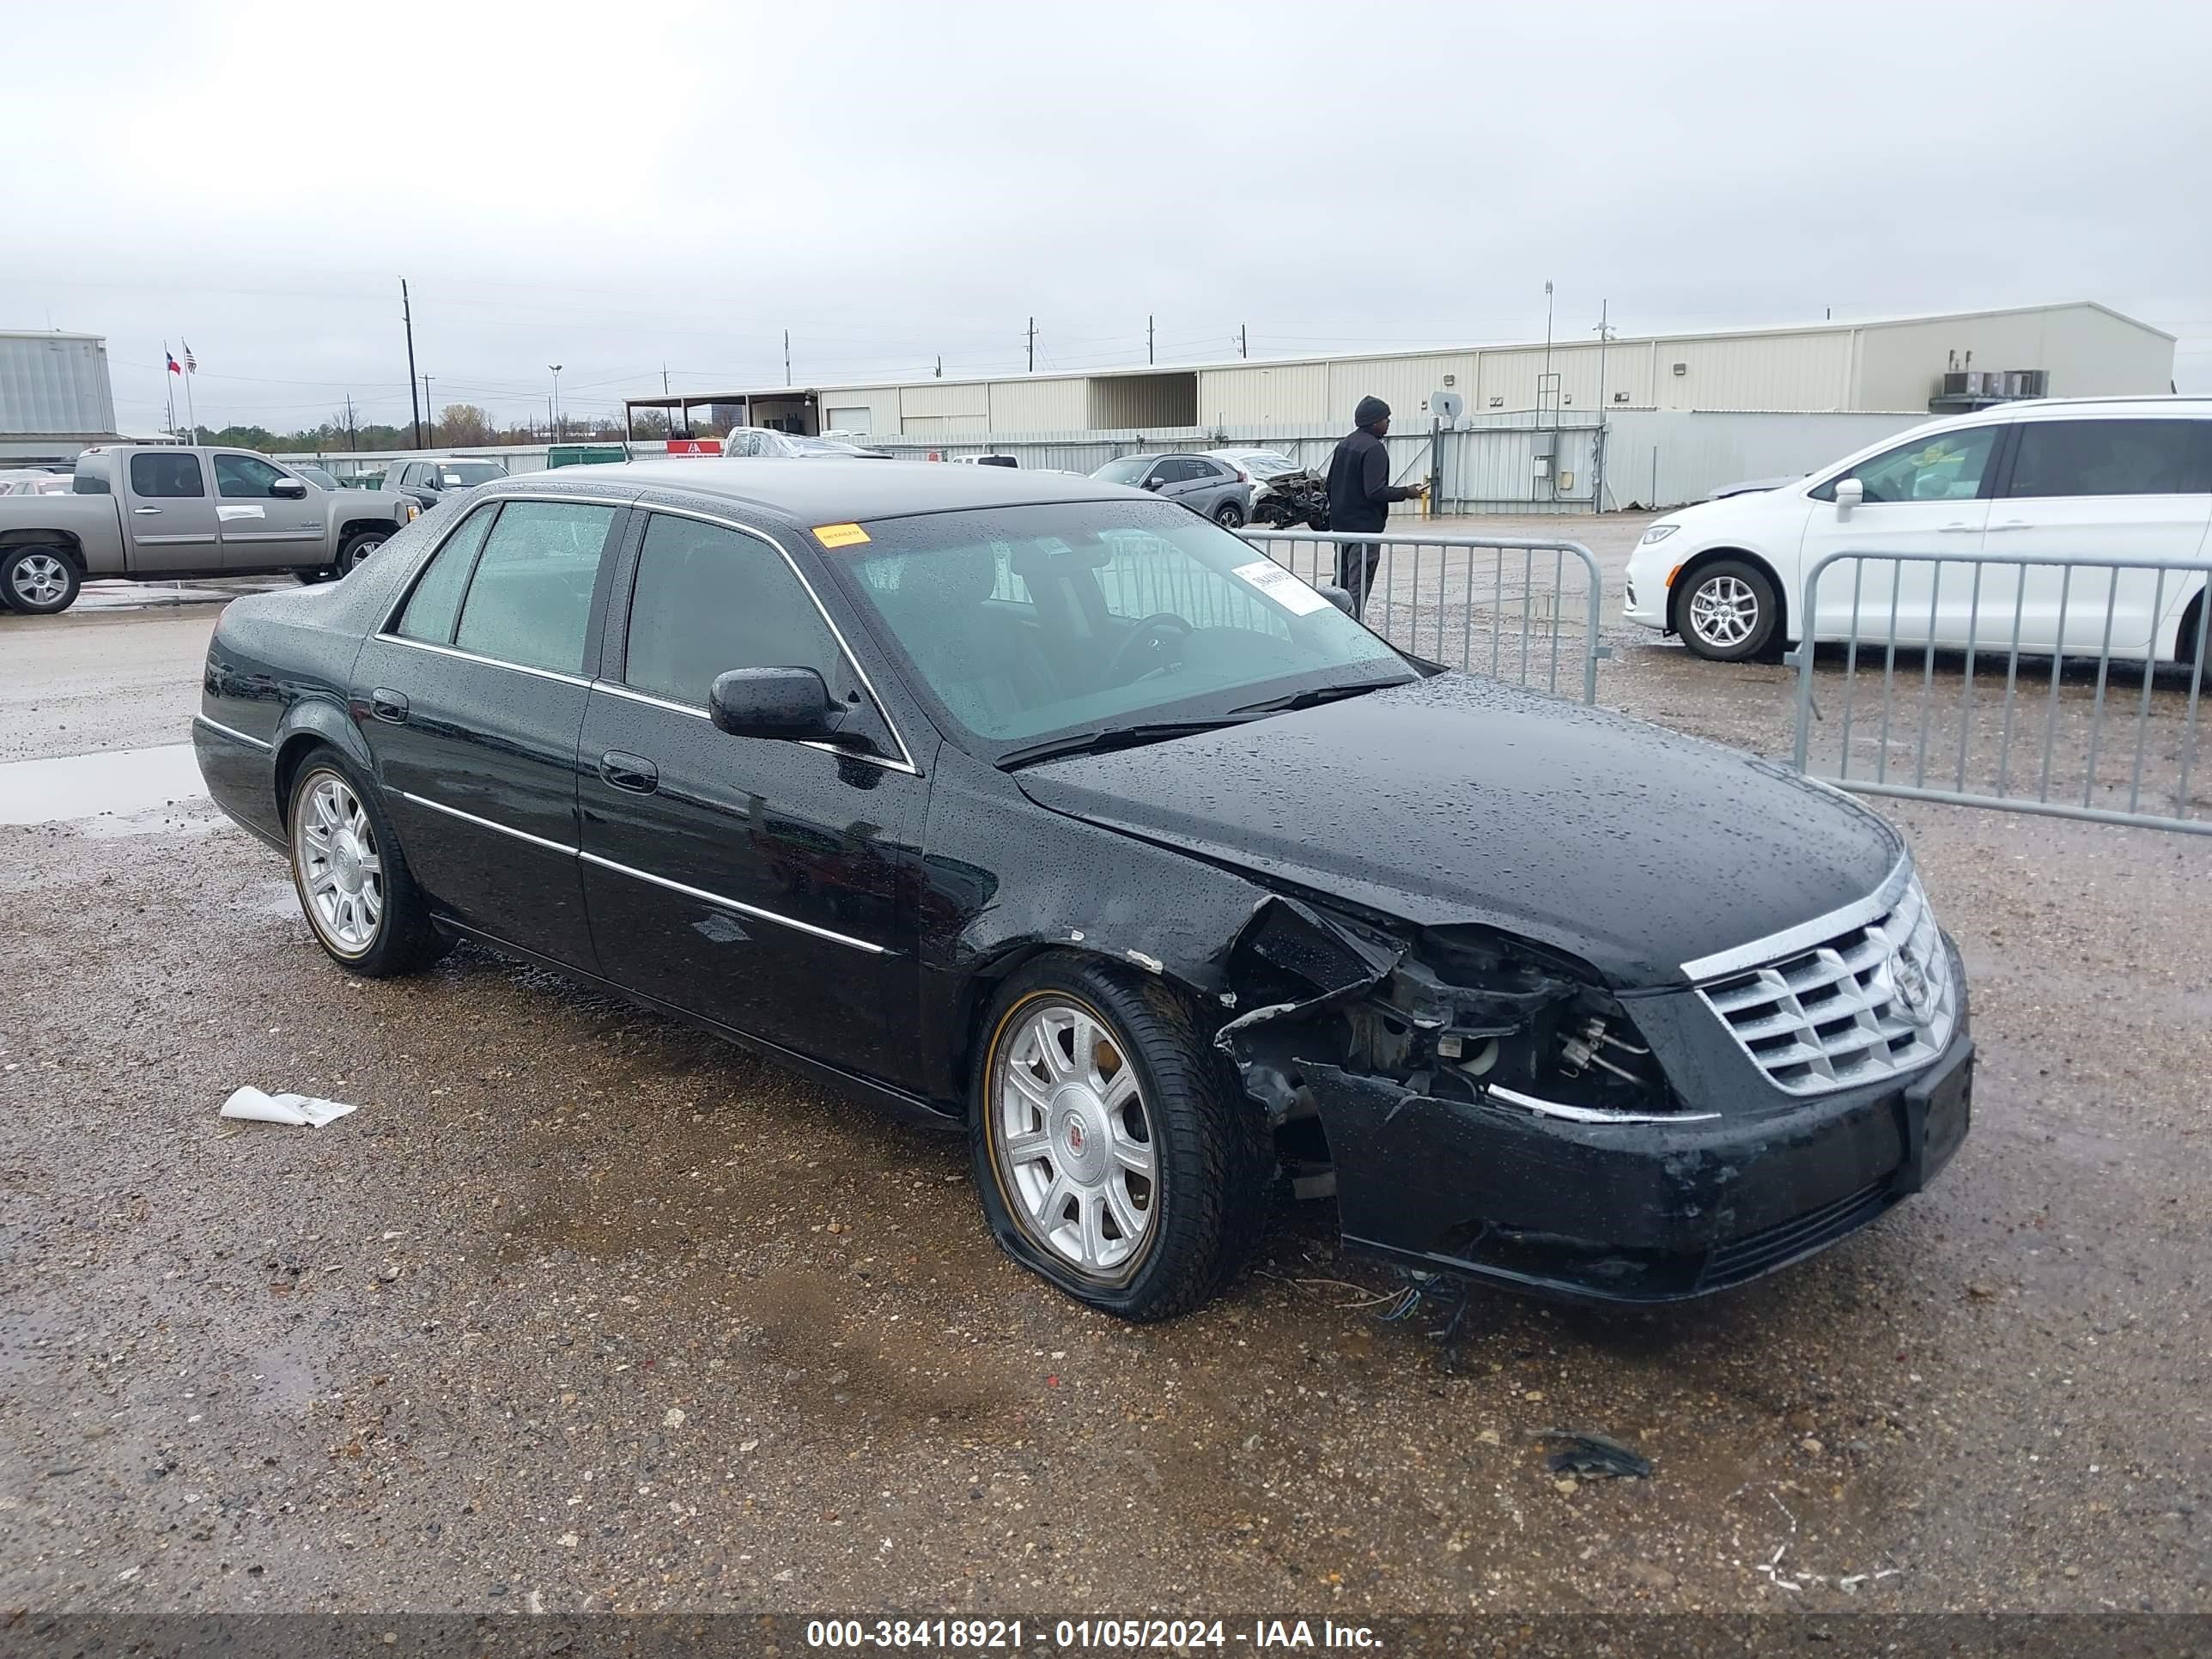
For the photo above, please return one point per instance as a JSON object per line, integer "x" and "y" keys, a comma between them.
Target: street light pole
{"x": 553, "y": 404}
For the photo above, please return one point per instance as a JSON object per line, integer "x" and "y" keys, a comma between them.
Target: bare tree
{"x": 464, "y": 426}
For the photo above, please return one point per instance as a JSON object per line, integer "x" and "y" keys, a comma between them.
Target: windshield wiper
{"x": 1319, "y": 693}
{"x": 1112, "y": 737}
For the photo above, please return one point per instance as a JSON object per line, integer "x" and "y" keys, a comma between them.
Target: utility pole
{"x": 353, "y": 433}
{"x": 787, "y": 357}
{"x": 429, "y": 412}
{"x": 1032, "y": 345}
{"x": 407, "y": 315}
{"x": 1148, "y": 339}
{"x": 663, "y": 380}
{"x": 1604, "y": 408}
{"x": 1243, "y": 339}
{"x": 553, "y": 404}
{"x": 941, "y": 365}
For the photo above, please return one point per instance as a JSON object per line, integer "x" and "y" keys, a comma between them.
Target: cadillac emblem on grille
{"x": 1913, "y": 991}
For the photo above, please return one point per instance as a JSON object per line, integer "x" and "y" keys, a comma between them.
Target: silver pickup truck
{"x": 157, "y": 511}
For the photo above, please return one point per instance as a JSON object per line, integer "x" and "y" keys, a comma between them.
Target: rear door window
{"x": 157, "y": 477}
{"x": 2112, "y": 458}
{"x": 530, "y": 600}
{"x": 435, "y": 603}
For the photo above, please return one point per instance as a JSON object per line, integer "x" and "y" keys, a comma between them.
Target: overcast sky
{"x": 615, "y": 187}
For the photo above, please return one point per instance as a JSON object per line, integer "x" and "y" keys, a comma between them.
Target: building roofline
{"x": 735, "y": 394}
{"x": 49, "y": 334}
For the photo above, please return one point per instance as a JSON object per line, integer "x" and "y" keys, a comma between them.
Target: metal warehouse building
{"x": 1650, "y": 419}
{"x": 54, "y": 394}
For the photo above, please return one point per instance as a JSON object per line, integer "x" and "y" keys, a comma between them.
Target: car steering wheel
{"x": 1159, "y": 626}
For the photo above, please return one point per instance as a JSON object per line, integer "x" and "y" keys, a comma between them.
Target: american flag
{"x": 192, "y": 363}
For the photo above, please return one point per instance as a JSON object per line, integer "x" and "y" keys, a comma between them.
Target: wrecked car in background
{"x": 1035, "y": 806}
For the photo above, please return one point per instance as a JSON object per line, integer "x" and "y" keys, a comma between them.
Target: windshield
{"x": 1126, "y": 470}
{"x": 466, "y": 475}
{"x": 1026, "y": 621}
{"x": 317, "y": 477}
{"x": 1267, "y": 465}
{"x": 822, "y": 447}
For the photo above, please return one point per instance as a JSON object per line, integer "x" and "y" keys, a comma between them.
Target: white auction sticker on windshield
{"x": 1280, "y": 586}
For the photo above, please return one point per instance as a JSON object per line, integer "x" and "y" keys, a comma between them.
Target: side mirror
{"x": 792, "y": 703}
{"x": 1849, "y": 493}
{"x": 1339, "y": 597}
{"x": 290, "y": 490}
{"x": 1154, "y": 484}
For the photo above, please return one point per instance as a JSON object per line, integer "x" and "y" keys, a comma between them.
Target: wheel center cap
{"x": 346, "y": 862}
{"x": 1079, "y": 1134}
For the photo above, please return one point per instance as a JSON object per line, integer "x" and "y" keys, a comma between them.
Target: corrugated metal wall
{"x": 1053, "y": 405}
{"x": 1809, "y": 371}
{"x": 868, "y": 409}
{"x": 1264, "y": 394}
{"x": 55, "y": 383}
{"x": 1662, "y": 458}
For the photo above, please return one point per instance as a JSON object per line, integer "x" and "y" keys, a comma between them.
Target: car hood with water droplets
{"x": 1455, "y": 801}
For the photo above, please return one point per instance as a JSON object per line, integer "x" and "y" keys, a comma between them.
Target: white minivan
{"x": 2112, "y": 478}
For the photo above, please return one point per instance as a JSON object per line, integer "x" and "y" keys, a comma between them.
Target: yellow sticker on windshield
{"x": 840, "y": 535}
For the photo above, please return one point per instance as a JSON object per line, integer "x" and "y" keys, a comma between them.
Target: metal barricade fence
{"x": 2086, "y": 643}
{"x": 1503, "y": 606}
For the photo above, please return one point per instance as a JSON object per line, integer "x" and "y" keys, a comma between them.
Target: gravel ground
{"x": 584, "y": 1310}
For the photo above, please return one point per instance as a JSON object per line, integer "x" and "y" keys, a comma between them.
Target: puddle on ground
{"x": 126, "y": 782}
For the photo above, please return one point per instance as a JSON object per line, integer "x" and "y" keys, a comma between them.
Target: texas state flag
{"x": 172, "y": 357}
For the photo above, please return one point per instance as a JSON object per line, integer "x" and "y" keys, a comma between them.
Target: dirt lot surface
{"x": 582, "y": 1310}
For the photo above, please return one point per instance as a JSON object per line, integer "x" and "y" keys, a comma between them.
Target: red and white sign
{"x": 694, "y": 446}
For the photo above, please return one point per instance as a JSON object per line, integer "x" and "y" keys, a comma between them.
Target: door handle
{"x": 1954, "y": 528}
{"x": 639, "y": 775}
{"x": 2012, "y": 524}
{"x": 143, "y": 510}
{"x": 388, "y": 705}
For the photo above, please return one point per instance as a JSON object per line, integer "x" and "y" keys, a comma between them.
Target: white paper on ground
{"x": 299, "y": 1110}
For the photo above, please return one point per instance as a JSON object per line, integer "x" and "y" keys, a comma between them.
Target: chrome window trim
{"x": 232, "y": 733}
{"x": 486, "y": 824}
{"x": 905, "y": 763}
{"x": 631, "y": 695}
{"x": 489, "y": 662}
{"x": 1560, "y": 1108}
{"x": 741, "y": 909}
{"x": 1879, "y": 902}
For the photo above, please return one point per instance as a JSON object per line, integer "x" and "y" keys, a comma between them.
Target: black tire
{"x": 1214, "y": 1158}
{"x": 39, "y": 579}
{"x": 1726, "y": 611}
{"x": 1228, "y": 516}
{"x": 357, "y": 547}
{"x": 315, "y": 576}
{"x": 404, "y": 941}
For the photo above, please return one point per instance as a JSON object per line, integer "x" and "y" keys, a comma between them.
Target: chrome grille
{"x": 1869, "y": 1001}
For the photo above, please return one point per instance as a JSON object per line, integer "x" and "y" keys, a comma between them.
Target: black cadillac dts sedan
{"x": 1048, "y": 810}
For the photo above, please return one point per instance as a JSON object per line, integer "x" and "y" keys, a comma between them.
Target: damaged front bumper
{"x": 1725, "y": 1180}
{"x": 1628, "y": 1211}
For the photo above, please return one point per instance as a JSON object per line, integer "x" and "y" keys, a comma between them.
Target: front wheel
{"x": 1728, "y": 613}
{"x": 39, "y": 581}
{"x": 357, "y": 548}
{"x": 359, "y": 899}
{"x": 1228, "y": 516}
{"x": 1112, "y": 1155}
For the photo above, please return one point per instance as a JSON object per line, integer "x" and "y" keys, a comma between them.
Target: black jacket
{"x": 1359, "y": 488}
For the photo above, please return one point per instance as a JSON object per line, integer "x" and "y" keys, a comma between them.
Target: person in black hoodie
{"x": 1360, "y": 496}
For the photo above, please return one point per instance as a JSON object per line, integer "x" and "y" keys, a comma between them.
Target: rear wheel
{"x": 1726, "y": 613}
{"x": 1228, "y": 516}
{"x": 1112, "y": 1155}
{"x": 38, "y": 581}
{"x": 354, "y": 888}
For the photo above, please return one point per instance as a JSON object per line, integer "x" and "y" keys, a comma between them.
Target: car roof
{"x": 824, "y": 491}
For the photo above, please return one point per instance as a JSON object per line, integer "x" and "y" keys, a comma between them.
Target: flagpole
{"x": 190, "y": 414}
{"x": 169, "y": 388}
